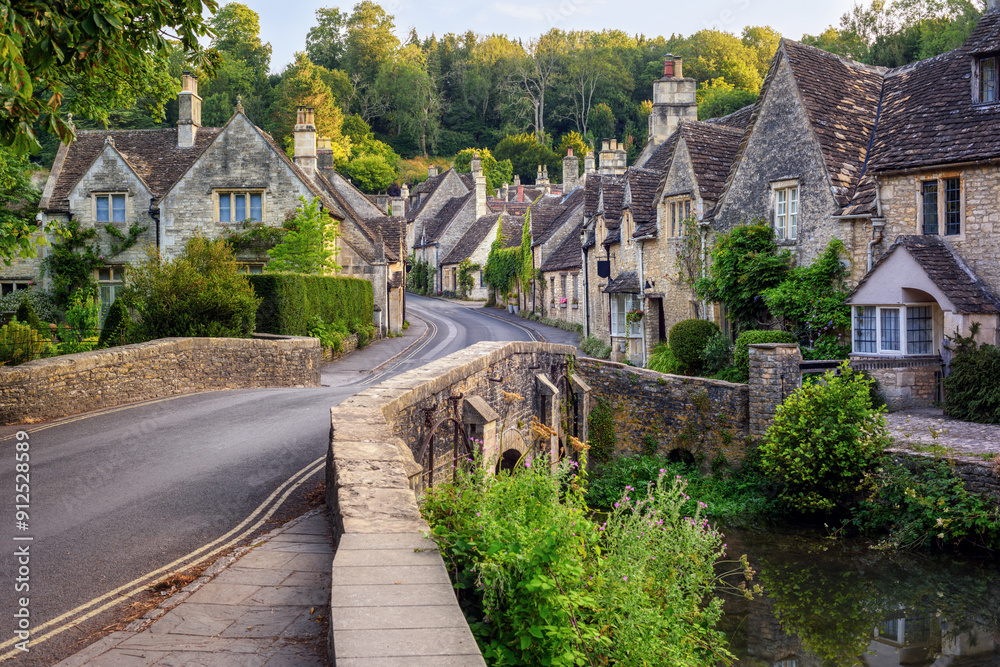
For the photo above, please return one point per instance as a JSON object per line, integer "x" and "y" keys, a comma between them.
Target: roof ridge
{"x": 847, "y": 62}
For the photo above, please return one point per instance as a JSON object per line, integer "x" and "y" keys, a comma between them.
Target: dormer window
{"x": 988, "y": 92}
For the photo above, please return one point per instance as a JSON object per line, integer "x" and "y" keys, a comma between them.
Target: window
{"x": 786, "y": 213}
{"x": 620, "y": 305}
{"x": 241, "y": 206}
{"x": 891, "y": 331}
{"x": 110, "y": 281}
{"x": 988, "y": 90}
{"x": 935, "y": 208}
{"x": 576, "y": 288}
{"x": 109, "y": 208}
{"x": 562, "y": 284}
{"x": 680, "y": 211}
{"x": 673, "y": 218}
{"x": 482, "y": 279}
{"x": 251, "y": 269}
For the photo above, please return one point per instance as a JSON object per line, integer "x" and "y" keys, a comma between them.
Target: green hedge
{"x": 741, "y": 349}
{"x": 290, "y": 299}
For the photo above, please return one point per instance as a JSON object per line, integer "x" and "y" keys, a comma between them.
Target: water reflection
{"x": 840, "y": 604}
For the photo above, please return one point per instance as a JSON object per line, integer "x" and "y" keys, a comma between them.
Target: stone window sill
{"x": 575, "y": 306}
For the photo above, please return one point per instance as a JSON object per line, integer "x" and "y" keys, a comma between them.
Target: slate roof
{"x": 613, "y": 191}
{"x": 713, "y": 150}
{"x": 568, "y": 255}
{"x": 841, "y": 98}
{"x": 928, "y": 115}
{"x": 625, "y": 283}
{"x": 569, "y": 206}
{"x": 476, "y": 234}
{"x": 393, "y": 232}
{"x": 739, "y": 119}
{"x": 592, "y": 194}
{"x": 152, "y": 154}
{"x": 434, "y": 226}
{"x": 659, "y": 159}
{"x": 427, "y": 188}
{"x": 545, "y": 211}
{"x": 945, "y": 270}
{"x": 642, "y": 185}
{"x": 512, "y": 207}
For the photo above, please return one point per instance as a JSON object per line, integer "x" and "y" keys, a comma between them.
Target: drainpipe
{"x": 704, "y": 262}
{"x": 878, "y": 224}
{"x": 586, "y": 289}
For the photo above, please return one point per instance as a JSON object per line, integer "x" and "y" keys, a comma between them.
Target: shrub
{"x": 201, "y": 293}
{"x": 688, "y": 338}
{"x": 41, "y": 302}
{"x": 543, "y": 585}
{"x": 741, "y": 349}
{"x": 825, "y": 438}
{"x": 331, "y": 335}
{"x": 972, "y": 392}
{"x": 717, "y": 353}
{"x": 26, "y": 314}
{"x": 309, "y": 244}
{"x": 289, "y": 300}
{"x": 602, "y": 431}
{"x": 595, "y": 347}
{"x": 82, "y": 318}
{"x": 19, "y": 343}
{"x": 662, "y": 360}
{"x": 116, "y": 326}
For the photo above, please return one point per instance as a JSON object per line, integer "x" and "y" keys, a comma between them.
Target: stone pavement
{"x": 920, "y": 428}
{"x": 264, "y": 605}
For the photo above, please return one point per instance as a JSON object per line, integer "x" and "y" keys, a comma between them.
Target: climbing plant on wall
{"x": 503, "y": 265}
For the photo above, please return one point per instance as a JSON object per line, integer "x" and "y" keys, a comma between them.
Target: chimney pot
{"x": 520, "y": 192}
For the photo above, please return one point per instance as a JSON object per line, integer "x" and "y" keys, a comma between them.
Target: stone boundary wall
{"x": 59, "y": 386}
{"x": 391, "y": 597}
{"x": 706, "y": 417}
{"x": 977, "y": 475}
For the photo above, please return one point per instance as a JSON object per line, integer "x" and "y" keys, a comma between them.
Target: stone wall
{"x": 706, "y": 417}
{"x": 979, "y": 476}
{"x": 775, "y": 372}
{"x": 51, "y": 388}
{"x": 905, "y": 383}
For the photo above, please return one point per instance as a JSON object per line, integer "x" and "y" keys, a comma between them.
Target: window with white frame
{"x": 109, "y": 207}
{"x": 621, "y": 304}
{"x": 894, "y": 330}
{"x": 941, "y": 199}
{"x": 110, "y": 282}
{"x": 786, "y": 213}
{"x": 240, "y": 206}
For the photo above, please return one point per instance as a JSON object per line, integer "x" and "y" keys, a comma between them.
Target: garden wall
{"x": 51, "y": 388}
{"x": 706, "y": 417}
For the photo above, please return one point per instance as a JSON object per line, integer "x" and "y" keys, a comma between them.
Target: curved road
{"x": 119, "y": 494}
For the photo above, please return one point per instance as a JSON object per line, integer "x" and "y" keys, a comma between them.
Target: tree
{"x": 526, "y": 153}
{"x": 325, "y": 41}
{"x": 370, "y": 41}
{"x": 109, "y": 53}
{"x": 371, "y": 173}
{"x": 237, "y": 32}
{"x": 496, "y": 173}
{"x": 602, "y": 122}
{"x": 19, "y": 235}
{"x": 575, "y": 141}
{"x": 413, "y": 97}
{"x": 593, "y": 64}
{"x": 309, "y": 245}
{"x": 744, "y": 263}
{"x": 536, "y": 71}
{"x": 302, "y": 85}
{"x": 720, "y": 98}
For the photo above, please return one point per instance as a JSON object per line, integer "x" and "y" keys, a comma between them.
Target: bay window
{"x": 893, "y": 330}
{"x": 621, "y": 304}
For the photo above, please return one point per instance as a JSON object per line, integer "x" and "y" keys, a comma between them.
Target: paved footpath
{"x": 264, "y": 605}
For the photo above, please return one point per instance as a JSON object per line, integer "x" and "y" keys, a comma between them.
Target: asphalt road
{"x": 119, "y": 494}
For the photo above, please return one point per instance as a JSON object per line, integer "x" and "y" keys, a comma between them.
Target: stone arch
{"x": 512, "y": 449}
{"x": 680, "y": 455}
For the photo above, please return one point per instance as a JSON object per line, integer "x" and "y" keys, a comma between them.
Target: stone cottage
{"x": 475, "y": 246}
{"x": 192, "y": 180}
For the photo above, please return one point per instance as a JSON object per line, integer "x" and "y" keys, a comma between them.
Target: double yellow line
{"x": 102, "y": 603}
{"x": 426, "y": 339}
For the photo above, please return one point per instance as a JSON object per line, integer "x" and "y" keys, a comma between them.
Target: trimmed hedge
{"x": 741, "y": 349}
{"x": 290, "y": 299}
{"x": 688, "y": 338}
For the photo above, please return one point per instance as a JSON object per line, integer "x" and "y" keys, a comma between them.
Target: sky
{"x": 284, "y": 23}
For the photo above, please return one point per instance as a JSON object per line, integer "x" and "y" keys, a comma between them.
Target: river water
{"x": 839, "y": 603}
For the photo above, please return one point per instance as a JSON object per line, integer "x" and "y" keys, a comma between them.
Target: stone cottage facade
{"x": 192, "y": 180}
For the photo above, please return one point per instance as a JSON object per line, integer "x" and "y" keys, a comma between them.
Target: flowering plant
{"x": 562, "y": 301}
{"x": 634, "y": 315}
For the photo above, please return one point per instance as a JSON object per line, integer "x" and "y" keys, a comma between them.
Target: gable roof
{"x": 152, "y": 154}
{"x": 713, "y": 150}
{"x": 434, "y": 226}
{"x": 945, "y": 270}
{"x": 480, "y": 230}
{"x": 661, "y": 156}
{"x": 639, "y": 193}
{"x": 928, "y": 115}
{"x": 427, "y": 190}
{"x": 568, "y": 255}
{"x": 569, "y": 206}
{"x": 393, "y": 232}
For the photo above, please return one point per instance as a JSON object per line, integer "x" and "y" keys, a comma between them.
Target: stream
{"x": 839, "y": 603}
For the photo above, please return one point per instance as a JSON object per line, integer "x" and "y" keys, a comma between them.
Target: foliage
{"x": 503, "y": 265}
{"x": 543, "y": 585}
{"x": 310, "y": 243}
{"x": 971, "y": 389}
{"x": 370, "y": 173}
{"x": 592, "y": 346}
{"x": 108, "y": 53}
{"x": 302, "y": 84}
{"x": 290, "y": 300}
{"x": 601, "y": 122}
{"x": 526, "y": 153}
{"x": 718, "y": 98}
{"x": 116, "y": 326}
{"x": 41, "y": 302}
{"x": 812, "y": 301}
{"x": 421, "y": 277}
{"x": 200, "y": 293}
{"x": 716, "y": 354}
{"x": 19, "y": 237}
{"x": 120, "y": 242}
{"x": 82, "y": 320}
{"x": 466, "y": 278}
{"x": 526, "y": 270}
{"x": 496, "y": 173}
{"x": 325, "y": 40}
{"x": 414, "y": 105}
{"x": 745, "y": 263}
{"x": 687, "y": 340}
{"x": 331, "y": 334}
{"x": 237, "y": 32}
{"x": 662, "y": 360}
{"x": 26, "y": 314}
{"x": 255, "y": 237}
{"x": 825, "y": 438}
{"x": 741, "y": 349}
{"x": 19, "y": 343}
{"x": 601, "y": 422}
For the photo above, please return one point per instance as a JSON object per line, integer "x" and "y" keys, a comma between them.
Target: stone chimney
{"x": 398, "y": 203}
{"x": 477, "y": 173}
{"x": 613, "y": 157}
{"x": 188, "y": 111}
{"x": 588, "y": 164}
{"x": 505, "y": 192}
{"x": 305, "y": 140}
{"x": 571, "y": 171}
{"x": 432, "y": 171}
{"x": 673, "y": 100}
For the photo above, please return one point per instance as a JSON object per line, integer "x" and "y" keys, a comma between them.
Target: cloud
{"x": 519, "y": 12}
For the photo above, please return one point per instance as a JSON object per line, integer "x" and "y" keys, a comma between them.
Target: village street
{"x": 121, "y": 493}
